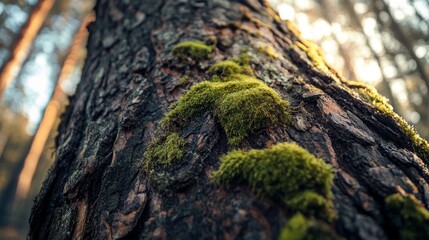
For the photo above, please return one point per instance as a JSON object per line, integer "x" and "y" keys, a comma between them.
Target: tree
{"x": 45, "y": 126}
{"x": 172, "y": 134}
{"x": 348, "y": 5}
{"x": 20, "y": 182}
{"x": 23, "y": 42}
{"x": 13, "y": 125}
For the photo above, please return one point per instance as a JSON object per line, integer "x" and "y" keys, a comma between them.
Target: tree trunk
{"x": 357, "y": 21}
{"x": 4, "y": 138}
{"x": 23, "y": 43}
{"x": 348, "y": 63}
{"x": 405, "y": 40}
{"x": 51, "y": 112}
{"x": 102, "y": 186}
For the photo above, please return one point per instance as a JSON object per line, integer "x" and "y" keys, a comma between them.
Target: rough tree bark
{"x": 99, "y": 189}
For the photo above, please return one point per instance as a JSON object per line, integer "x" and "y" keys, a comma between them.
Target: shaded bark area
{"x": 97, "y": 188}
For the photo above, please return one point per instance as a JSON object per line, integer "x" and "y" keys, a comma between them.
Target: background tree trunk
{"x": 23, "y": 42}
{"x": 98, "y": 188}
{"x": 19, "y": 183}
{"x": 51, "y": 112}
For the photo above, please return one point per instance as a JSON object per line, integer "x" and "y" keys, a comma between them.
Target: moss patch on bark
{"x": 285, "y": 172}
{"x": 196, "y": 50}
{"x": 269, "y": 51}
{"x": 164, "y": 151}
{"x": 409, "y": 216}
{"x": 242, "y": 103}
{"x": 314, "y": 53}
{"x": 301, "y": 228}
{"x": 370, "y": 94}
{"x": 224, "y": 69}
{"x": 183, "y": 80}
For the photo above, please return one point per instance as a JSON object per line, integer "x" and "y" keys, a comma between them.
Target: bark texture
{"x": 98, "y": 188}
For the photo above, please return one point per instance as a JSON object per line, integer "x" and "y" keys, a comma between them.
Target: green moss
{"x": 164, "y": 150}
{"x": 285, "y": 172}
{"x": 312, "y": 204}
{"x": 245, "y": 58}
{"x": 183, "y": 80}
{"x": 243, "y": 105}
{"x": 300, "y": 228}
{"x": 315, "y": 54}
{"x": 369, "y": 93}
{"x": 246, "y": 111}
{"x": 296, "y": 229}
{"x": 224, "y": 69}
{"x": 419, "y": 145}
{"x": 244, "y": 62}
{"x": 193, "y": 49}
{"x": 269, "y": 51}
{"x": 414, "y": 218}
{"x": 247, "y": 70}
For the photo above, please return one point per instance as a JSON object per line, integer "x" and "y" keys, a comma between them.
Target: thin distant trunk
{"x": 23, "y": 42}
{"x": 51, "y": 112}
{"x": 4, "y": 137}
{"x": 350, "y": 71}
{"x": 422, "y": 19}
{"x": 421, "y": 109}
{"x": 357, "y": 21}
{"x": 20, "y": 181}
{"x": 405, "y": 41}
{"x": 8, "y": 193}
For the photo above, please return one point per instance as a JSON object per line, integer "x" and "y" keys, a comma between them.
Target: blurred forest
{"x": 42, "y": 49}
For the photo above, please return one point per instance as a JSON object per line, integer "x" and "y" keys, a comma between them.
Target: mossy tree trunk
{"x": 103, "y": 187}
